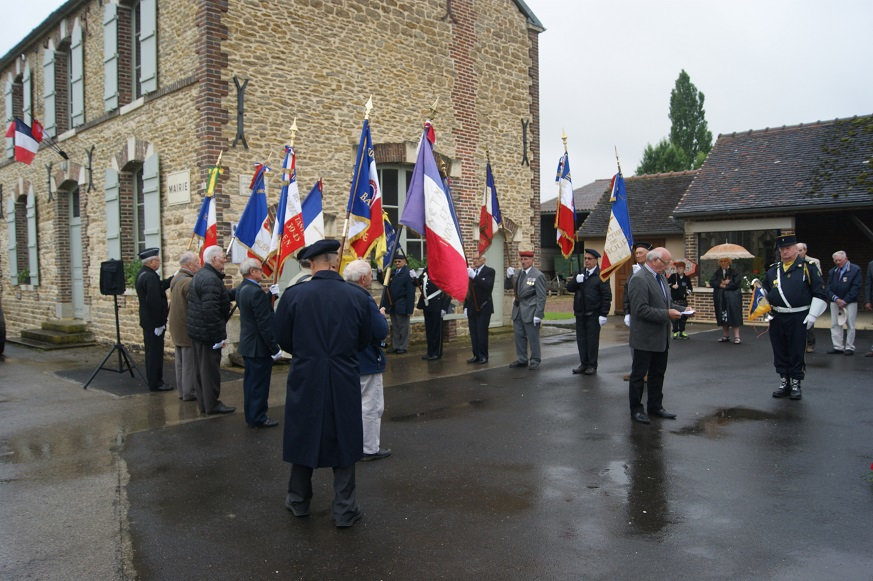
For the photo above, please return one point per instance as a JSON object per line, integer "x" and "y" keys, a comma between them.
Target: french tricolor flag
{"x": 619, "y": 238}
{"x": 429, "y": 211}
{"x": 26, "y": 139}
{"x": 489, "y": 215}
{"x": 288, "y": 228}
{"x": 313, "y": 215}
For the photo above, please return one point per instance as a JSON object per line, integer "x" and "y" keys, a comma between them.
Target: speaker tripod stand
{"x": 125, "y": 361}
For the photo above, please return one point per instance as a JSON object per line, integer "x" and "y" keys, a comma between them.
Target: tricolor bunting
{"x": 26, "y": 139}
{"x": 205, "y": 226}
{"x": 489, "y": 215}
{"x": 253, "y": 229}
{"x": 565, "y": 217}
{"x": 619, "y": 239}
{"x": 430, "y": 212}
{"x": 313, "y": 215}
{"x": 365, "y": 198}
{"x": 288, "y": 228}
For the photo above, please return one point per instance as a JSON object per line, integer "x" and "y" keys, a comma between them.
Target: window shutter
{"x": 151, "y": 197}
{"x": 27, "y": 93}
{"x": 110, "y": 57}
{"x": 10, "y": 240}
{"x": 113, "y": 214}
{"x": 10, "y": 144}
{"x": 149, "y": 46}
{"x": 49, "y": 122}
{"x": 32, "y": 247}
{"x": 77, "y": 78}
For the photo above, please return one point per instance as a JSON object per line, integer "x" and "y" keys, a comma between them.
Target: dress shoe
{"x": 482, "y": 360}
{"x": 849, "y": 352}
{"x": 662, "y": 413}
{"x": 578, "y": 370}
{"x": 300, "y": 511}
{"x": 640, "y": 418}
{"x": 835, "y": 352}
{"x": 589, "y": 371}
{"x": 473, "y": 359}
{"x": 430, "y": 357}
{"x": 162, "y": 387}
{"x": 382, "y": 453}
{"x": 868, "y": 354}
{"x": 533, "y": 365}
{"x": 267, "y": 423}
{"x": 518, "y": 363}
{"x": 222, "y": 409}
{"x": 400, "y": 351}
{"x": 189, "y": 398}
{"x": 346, "y": 524}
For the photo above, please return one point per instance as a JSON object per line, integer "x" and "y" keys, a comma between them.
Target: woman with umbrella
{"x": 728, "y": 300}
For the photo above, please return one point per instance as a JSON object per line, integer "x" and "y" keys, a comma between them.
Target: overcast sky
{"x": 607, "y": 68}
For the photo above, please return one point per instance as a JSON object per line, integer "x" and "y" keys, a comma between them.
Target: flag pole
{"x": 217, "y": 164}
{"x": 368, "y": 106}
{"x": 618, "y": 163}
{"x": 279, "y": 252}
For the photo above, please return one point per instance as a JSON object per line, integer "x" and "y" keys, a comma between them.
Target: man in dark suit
{"x": 651, "y": 311}
{"x": 398, "y": 299}
{"x": 479, "y": 306}
{"x": 591, "y": 301}
{"x": 434, "y": 303}
{"x": 256, "y": 343}
{"x": 153, "y": 311}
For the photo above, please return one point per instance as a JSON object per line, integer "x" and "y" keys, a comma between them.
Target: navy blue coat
{"x": 399, "y": 296}
{"x": 256, "y": 321}
{"x": 847, "y": 287}
{"x": 371, "y": 359}
{"x": 323, "y": 324}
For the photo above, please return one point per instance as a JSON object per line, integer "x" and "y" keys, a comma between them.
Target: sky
{"x": 607, "y": 68}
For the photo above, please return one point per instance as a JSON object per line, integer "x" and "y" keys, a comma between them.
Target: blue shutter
{"x": 110, "y": 57}
{"x": 77, "y": 78}
{"x": 148, "y": 44}
{"x": 10, "y": 240}
{"x": 113, "y": 214}
{"x": 49, "y": 122}
{"x": 32, "y": 247}
{"x": 151, "y": 197}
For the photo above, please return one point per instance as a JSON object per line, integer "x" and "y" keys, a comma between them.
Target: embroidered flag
{"x": 619, "y": 239}
{"x": 565, "y": 217}
{"x": 386, "y": 243}
{"x": 26, "y": 139}
{"x": 759, "y": 306}
{"x": 253, "y": 229}
{"x": 365, "y": 199}
{"x": 313, "y": 215}
{"x": 430, "y": 212}
{"x": 205, "y": 226}
{"x": 288, "y": 229}
{"x": 489, "y": 215}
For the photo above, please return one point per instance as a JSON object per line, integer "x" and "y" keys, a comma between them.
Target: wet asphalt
{"x": 496, "y": 473}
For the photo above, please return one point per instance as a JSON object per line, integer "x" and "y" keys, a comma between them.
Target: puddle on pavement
{"x": 709, "y": 425}
{"x": 439, "y": 412}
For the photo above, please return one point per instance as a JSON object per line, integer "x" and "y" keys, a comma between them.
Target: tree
{"x": 690, "y": 138}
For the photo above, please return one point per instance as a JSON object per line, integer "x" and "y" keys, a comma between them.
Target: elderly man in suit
{"x": 153, "y": 311}
{"x": 652, "y": 312}
{"x": 528, "y": 310}
{"x": 479, "y": 306}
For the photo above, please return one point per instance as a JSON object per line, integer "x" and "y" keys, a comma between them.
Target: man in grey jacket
{"x": 652, "y": 312}
{"x": 528, "y": 310}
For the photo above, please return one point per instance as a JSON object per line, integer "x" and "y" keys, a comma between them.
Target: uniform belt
{"x": 790, "y": 309}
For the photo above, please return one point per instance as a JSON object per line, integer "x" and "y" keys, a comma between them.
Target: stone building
{"x": 143, "y": 95}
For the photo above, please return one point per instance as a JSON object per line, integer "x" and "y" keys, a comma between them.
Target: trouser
{"x": 344, "y": 506}
{"x": 186, "y": 372}
{"x": 256, "y": 388}
{"x": 526, "y": 334}
{"x": 208, "y": 385}
{"x": 399, "y": 331}
{"x": 433, "y": 332}
{"x": 837, "y": 329}
{"x": 478, "y": 323}
{"x": 154, "y": 358}
{"x": 653, "y": 364}
{"x": 788, "y": 340}
{"x": 588, "y": 339}
{"x": 679, "y": 324}
{"x": 372, "y": 406}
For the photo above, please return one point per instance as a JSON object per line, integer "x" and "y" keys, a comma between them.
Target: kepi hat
{"x": 787, "y": 238}
{"x": 318, "y": 248}
{"x": 149, "y": 253}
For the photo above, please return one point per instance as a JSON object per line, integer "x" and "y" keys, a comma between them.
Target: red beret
{"x": 526, "y": 253}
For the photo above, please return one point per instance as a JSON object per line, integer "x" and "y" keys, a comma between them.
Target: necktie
{"x": 663, "y": 288}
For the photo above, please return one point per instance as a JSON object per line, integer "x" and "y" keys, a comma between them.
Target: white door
{"x": 494, "y": 259}
{"x": 76, "y": 271}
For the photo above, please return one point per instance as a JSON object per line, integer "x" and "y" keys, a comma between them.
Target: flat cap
{"x": 318, "y": 248}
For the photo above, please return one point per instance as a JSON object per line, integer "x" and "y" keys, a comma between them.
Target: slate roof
{"x": 584, "y": 198}
{"x": 651, "y": 200}
{"x": 822, "y": 165}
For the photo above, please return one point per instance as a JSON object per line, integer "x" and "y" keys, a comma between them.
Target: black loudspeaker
{"x": 112, "y": 277}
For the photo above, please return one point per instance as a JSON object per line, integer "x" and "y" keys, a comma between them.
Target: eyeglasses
{"x": 663, "y": 261}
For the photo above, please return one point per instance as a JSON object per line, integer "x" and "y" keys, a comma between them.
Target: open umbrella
{"x": 690, "y": 266}
{"x": 732, "y": 251}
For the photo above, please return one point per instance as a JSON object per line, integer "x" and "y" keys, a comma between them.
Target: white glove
{"x": 809, "y": 321}
{"x": 277, "y": 356}
{"x": 274, "y": 289}
{"x": 412, "y": 274}
{"x": 160, "y": 330}
{"x": 601, "y": 320}
{"x": 471, "y": 272}
{"x": 580, "y": 278}
{"x": 442, "y": 314}
{"x": 218, "y": 345}
{"x": 627, "y": 320}
{"x": 465, "y": 312}
{"x": 510, "y": 272}
{"x": 537, "y": 321}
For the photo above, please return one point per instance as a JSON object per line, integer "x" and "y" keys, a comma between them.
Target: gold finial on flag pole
{"x": 564, "y": 139}
{"x": 433, "y": 108}
{"x": 293, "y": 131}
{"x": 368, "y": 106}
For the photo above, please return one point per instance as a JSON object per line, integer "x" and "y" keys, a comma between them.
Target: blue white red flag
{"x": 288, "y": 230}
{"x": 618, "y": 247}
{"x": 206, "y": 227}
{"x": 253, "y": 229}
{"x": 26, "y": 139}
{"x": 365, "y": 199}
{"x": 489, "y": 215}
{"x": 565, "y": 216}
{"x": 313, "y": 215}
{"x": 430, "y": 212}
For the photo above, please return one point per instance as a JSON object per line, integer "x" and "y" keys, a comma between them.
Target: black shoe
{"x": 589, "y": 371}
{"x": 346, "y": 524}
{"x": 382, "y": 453}
{"x": 473, "y": 359}
{"x": 267, "y": 423}
{"x": 400, "y": 351}
{"x": 835, "y": 352}
{"x": 518, "y": 363}
{"x": 662, "y": 413}
{"x": 221, "y": 409}
{"x": 162, "y": 387}
{"x": 189, "y": 398}
{"x": 533, "y": 365}
{"x": 783, "y": 388}
{"x": 430, "y": 357}
{"x": 578, "y": 370}
{"x": 795, "y": 389}
{"x": 298, "y": 512}
{"x": 848, "y": 352}
{"x": 482, "y": 360}
{"x": 640, "y": 418}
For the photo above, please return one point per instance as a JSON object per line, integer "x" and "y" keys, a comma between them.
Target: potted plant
{"x": 24, "y": 276}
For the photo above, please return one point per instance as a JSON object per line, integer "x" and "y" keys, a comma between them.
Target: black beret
{"x": 592, "y": 252}
{"x": 645, "y": 245}
{"x": 149, "y": 253}
{"x": 318, "y": 248}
